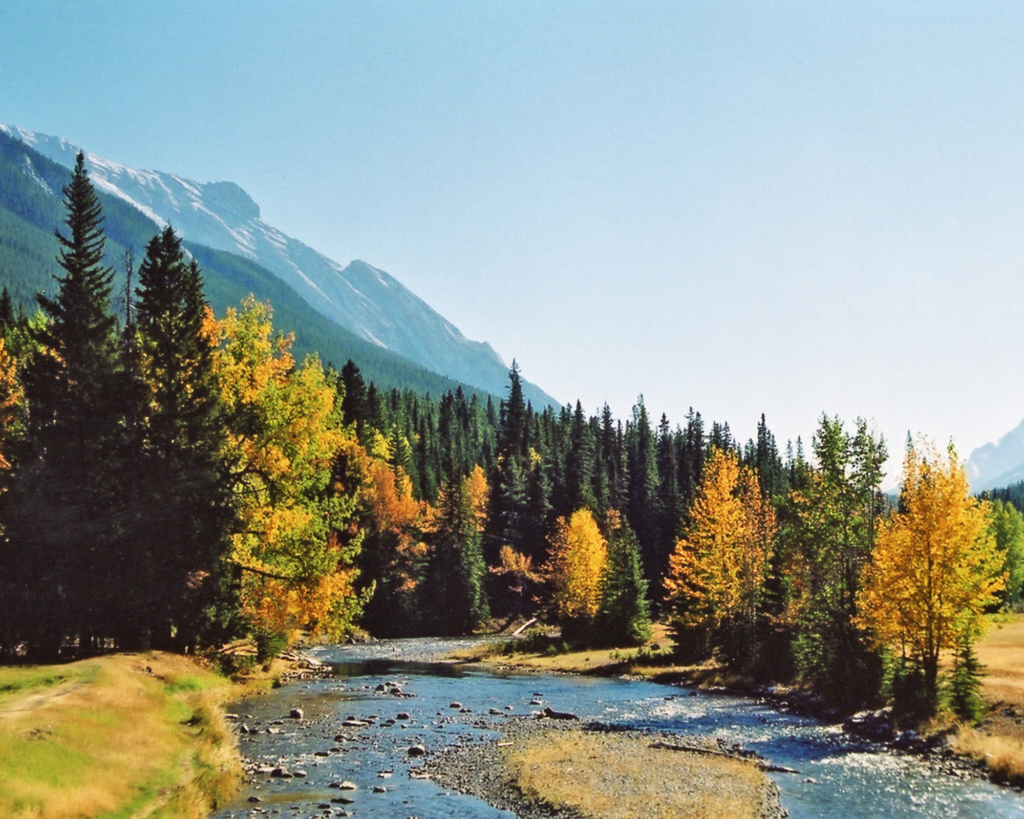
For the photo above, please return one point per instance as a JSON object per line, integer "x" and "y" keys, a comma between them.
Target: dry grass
{"x": 653, "y": 661}
{"x": 1001, "y": 751}
{"x": 998, "y": 741}
{"x": 618, "y": 776}
{"x": 1001, "y": 651}
{"x": 120, "y": 736}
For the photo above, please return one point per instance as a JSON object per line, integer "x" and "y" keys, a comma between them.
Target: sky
{"x": 783, "y": 208}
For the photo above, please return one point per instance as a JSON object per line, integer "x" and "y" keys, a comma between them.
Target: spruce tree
{"x": 185, "y": 511}
{"x": 454, "y": 587}
{"x": 643, "y": 512}
{"x": 579, "y": 466}
{"x": 66, "y": 500}
{"x": 624, "y": 616}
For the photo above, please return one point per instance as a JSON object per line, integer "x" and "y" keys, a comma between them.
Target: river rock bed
{"x": 478, "y": 767}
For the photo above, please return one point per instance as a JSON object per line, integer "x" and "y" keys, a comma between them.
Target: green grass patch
{"x": 144, "y": 737}
{"x": 179, "y": 685}
{"x": 21, "y": 680}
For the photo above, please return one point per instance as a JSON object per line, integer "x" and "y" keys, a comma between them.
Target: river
{"x": 839, "y": 776}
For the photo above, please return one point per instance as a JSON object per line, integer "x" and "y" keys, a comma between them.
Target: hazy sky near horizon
{"x": 789, "y": 208}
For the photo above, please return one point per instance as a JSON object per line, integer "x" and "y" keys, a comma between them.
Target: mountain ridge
{"x": 30, "y": 210}
{"x": 999, "y": 463}
{"x": 359, "y": 297}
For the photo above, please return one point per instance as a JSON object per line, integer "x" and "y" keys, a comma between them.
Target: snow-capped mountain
{"x": 362, "y": 298}
{"x": 999, "y": 464}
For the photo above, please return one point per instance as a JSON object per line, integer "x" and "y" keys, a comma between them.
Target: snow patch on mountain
{"x": 359, "y": 297}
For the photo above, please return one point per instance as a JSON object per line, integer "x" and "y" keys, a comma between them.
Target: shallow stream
{"x": 839, "y": 776}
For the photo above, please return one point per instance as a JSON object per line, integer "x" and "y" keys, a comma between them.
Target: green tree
{"x": 624, "y": 615}
{"x": 187, "y": 511}
{"x": 66, "y": 507}
{"x": 454, "y": 588}
{"x": 836, "y": 518}
{"x": 643, "y": 509}
{"x": 1008, "y": 530}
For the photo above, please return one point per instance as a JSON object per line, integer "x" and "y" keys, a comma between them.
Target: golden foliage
{"x": 935, "y": 565}
{"x": 718, "y": 569}
{"x": 11, "y": 401}
{"x": 479, "y": 493}
{"x": 284, "y": 434}
{"x": 578, "y": 556}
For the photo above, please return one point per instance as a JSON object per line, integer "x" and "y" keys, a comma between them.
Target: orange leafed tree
{"x": 935, "y": 565}
{"x": 284, "y": 434}
{"x": 578, "y": 556}
{"x": 717, "y": 571}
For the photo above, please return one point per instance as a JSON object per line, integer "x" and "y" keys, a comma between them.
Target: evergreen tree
{"x": 965, "y": 683}
{"x": 836, "y": 517}
{"x": 579, "y": 466}
{"x": 514, "y": 419}
{"x": 186, "y": 512}
{"x": 454, "y": 587}
{"x": 7, "y": 316}
{"x": 353, "y": 402}
{"x": 624, "y": 616}
{"x": 66, "y": 502}
{"x": 643, "y": 511}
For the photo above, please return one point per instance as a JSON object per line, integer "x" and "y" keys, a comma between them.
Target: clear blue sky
{"x": 785, "y": 208}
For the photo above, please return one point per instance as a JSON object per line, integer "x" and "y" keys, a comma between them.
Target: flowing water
{"x": 838, "y": 776}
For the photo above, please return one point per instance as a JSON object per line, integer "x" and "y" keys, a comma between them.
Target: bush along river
{"x": 352, "y": 743}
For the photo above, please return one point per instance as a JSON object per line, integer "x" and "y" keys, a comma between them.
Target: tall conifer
{"x": 64, "y": 516}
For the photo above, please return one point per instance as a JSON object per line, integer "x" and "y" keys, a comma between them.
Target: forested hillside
{"x": 30, "y": 207}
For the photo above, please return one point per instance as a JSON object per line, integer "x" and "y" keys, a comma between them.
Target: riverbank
{"x": 121, "y": 735}
{"x": 543, "y": 768}
{"x": 994, "y": 748}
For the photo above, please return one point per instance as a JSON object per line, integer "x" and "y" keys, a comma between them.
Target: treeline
{"x": 177, "y": 480}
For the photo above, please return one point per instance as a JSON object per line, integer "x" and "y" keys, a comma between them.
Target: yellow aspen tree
{"x": 756, "y": 551}
{"x": 479, "y": 493}
{"x": 283, "y": 436}
{"x": 578, "y": 556}
{"x": 717, "y": 571}
{"x": 935, "y": 565}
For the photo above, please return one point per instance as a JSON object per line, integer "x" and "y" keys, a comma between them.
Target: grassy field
{"x": 138, "y": 735}
{"x": 999, "y": 740}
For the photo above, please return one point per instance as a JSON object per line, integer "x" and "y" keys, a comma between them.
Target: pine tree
{"x": 624, "y": 615}
{"x": 579, "y": 465}
{"x": 454, "y": 587}
{"x": 66, "y": 502}
{"x": 514, "y": 419}
{"x": 187, "y": 508}
{"x": 643, "y": 511}
{"x": 7, "y": 316}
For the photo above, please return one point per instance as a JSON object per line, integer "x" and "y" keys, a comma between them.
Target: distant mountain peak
{"x": 998, "y": 464}
{"x": 360, "y": 297}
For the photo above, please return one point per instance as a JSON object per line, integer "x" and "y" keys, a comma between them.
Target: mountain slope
{"x": 361, "y": 298}
{"x": 30, "y": 210}
{"x": 998, "y": 464}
